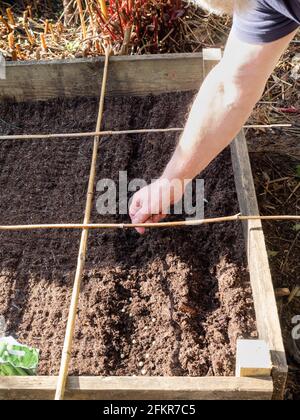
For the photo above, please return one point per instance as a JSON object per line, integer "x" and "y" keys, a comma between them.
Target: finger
{"x": 140, "y": 230}
{"x": 153, "y": 219}
{"x": 157, "y": 218}
{"x": 141, "y": 216}
{"x": 135, "y": 206}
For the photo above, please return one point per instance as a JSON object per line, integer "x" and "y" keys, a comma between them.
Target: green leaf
{"x": 272, "y": 254}
{"x": 16, "y": 359}
{"x": 298, "y": 171}
{"x": 73, "y": 46}
{"x": 296, "y": 227}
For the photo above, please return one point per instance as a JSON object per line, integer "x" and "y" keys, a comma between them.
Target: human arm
{"x": 222, "y": 106}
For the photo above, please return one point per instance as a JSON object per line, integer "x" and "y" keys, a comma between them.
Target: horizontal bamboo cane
{"x": 182, "y": 223}
{"x": 115, "y": 133}
{"x": 256, "y": 126}
{"x": 88, "y": 134}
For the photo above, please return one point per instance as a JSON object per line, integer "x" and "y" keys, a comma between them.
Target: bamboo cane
{"x": 5, "y": 23}
{"x": 103, "y": 7}
{"x": 256, "y": 126}
{"x": 30, "y": 36}
{"x": 82, "y": 21}
{"x": 53, "y": 35}
{"x": 25, "y": 16}
{"x": 10, "y": 16}
{"x": 43, "y": 42}
{"x": 46, "y": 27}
{"x": 68, "y": 11}
{"x": 11, "y": 41}
{"x": 114, "y": 133}
{"x": 88, "y": 134}
{"x": 181, "y": 223}
{"x": 29, "y": 8}
{"x": 66, "y": 354}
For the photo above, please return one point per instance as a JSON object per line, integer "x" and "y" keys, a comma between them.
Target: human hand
{"x": 152, "y": 203}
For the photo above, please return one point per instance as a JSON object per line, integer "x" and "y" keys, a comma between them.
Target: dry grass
{"x": 40, "y": 29}
{"x": 131, "y": 27}
{"x": 281, "y": 99}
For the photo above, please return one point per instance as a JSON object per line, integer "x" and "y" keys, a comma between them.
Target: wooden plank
{"x": 129, "y": 75}
{"x": 139, "y": 388}
{"x": 261, "y": 281}
{"x": 260, "y": 276}
{"x": 253, "y": 359}
{"x": 211, "y": 57}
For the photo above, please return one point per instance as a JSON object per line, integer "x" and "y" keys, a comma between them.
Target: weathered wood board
{"x": 267, "y": 318}
{"x": 136, "y": 75}
{"x": 129, "y": 388}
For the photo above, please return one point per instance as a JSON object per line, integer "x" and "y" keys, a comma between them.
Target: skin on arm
{"x": 222, "y": 106}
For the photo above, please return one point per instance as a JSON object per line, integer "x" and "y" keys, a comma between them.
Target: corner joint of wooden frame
{"x": 212, "y": 54}
{"x": 253, "y": 359}
{"x": 211, "y": 57}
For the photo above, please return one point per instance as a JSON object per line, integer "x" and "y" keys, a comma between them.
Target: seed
{"x": 147, "y": 356}
{"x": 141, "y": 364}
{"x": 133, "y": 341}
{"x": 154, "y": 342}
{"x": 130, "y": 315}
{"x": 122, "y": 356}
{"x": 144, "y": 372}
{"x": 130, "y": 299}
{"x": 123, "y": 310}
{"x": 153, "y": 319}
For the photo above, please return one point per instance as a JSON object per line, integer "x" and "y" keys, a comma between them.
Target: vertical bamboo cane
{"x": 66, "y": 354}
{"x": 11, "y": 40}
{"x": 10, "y": 16}
{"x": 68, "y": 11}
{"x": 103, "y": 8}
{"x": 82, "y": 21}
{"x": 6, "y": 24}
{"x": 43, "y": 42}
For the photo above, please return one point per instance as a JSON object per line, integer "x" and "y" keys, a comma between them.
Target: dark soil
{"x": 274, "y": 165}
{"x": 171, "y": 302}
{"x": 48, "y": 9}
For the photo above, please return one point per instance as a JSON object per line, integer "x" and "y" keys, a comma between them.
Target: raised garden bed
{"x": 174, "y": 300}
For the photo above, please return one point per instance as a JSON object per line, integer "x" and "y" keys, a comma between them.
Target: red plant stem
{"x": 106, "y": 26}
{"x": 291, "y": 110}
{"x": 119, "y": 17}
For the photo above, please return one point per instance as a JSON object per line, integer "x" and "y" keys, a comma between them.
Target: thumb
{"x": 135, "y": 205}
{"x": 141, "y": 216}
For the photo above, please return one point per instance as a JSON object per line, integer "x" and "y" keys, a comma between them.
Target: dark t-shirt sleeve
{"x": 262, "y": 24}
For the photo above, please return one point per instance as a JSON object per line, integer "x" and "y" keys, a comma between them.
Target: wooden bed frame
{"x": 261, "y": 364}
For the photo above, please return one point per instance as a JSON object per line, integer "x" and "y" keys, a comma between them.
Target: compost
{"x": 170, "y": 302}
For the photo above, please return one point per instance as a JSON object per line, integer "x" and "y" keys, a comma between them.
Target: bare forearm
{"x": 223, "y": 104}
{"x": 219, "y": 111}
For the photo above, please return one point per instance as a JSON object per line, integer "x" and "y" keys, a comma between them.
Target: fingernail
{"x": 141, "y": 231}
